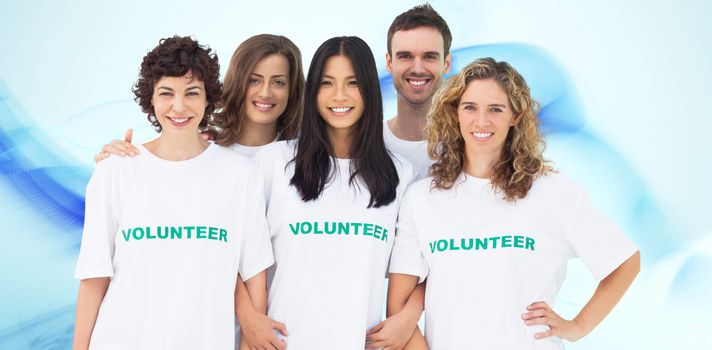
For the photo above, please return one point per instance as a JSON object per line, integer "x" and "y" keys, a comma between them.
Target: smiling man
{"x": 418, "y": 56}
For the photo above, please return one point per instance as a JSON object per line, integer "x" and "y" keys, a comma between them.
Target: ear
{"x": 389, "y": 63}
{"x": 448, "y": 61}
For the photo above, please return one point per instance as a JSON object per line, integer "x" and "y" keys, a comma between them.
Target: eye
{"x": 254, "y": 81}
{"x": 280, "y": 83}
{"x": 469, "y": 107}
{"x": 496, "y": 110}
{"x": 325, "y": 83}
{"x": 192, "y": 93}
{"x": 165, "y": 93}
{"x": 404, "y": 56}
{"x": 431, "y": 57}
{"x": 352, "y": 83}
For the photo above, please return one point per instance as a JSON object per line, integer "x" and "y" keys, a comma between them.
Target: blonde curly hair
{"x": 522, "y": 158}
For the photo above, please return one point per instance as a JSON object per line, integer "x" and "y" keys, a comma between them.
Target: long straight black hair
{"x": 370, "y": 163}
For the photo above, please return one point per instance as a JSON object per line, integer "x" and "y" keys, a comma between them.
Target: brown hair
{"x": 175, "y": 57}
{"x": 230, "y": 119}
{"x": 420, "y": 16}
{"x": 522, "y": 159}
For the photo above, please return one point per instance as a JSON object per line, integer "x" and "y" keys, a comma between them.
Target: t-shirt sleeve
{"x": 256, "y": 251}
{"x": 599, "y": 242}
{"x": 406, "y": 256}
{"x": 100, "y": 224}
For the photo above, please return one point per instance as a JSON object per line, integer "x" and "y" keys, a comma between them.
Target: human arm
{"x": 118, "y": 147}
{"x": 404, "y": 307}
{"x": 91, "y": 294}
{"x": 251, "y": 307}
{"x": 609, "y": 291}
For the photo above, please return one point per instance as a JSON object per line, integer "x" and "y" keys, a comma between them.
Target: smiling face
{"x": 267, "y": 95}
{"x": 179, "y": 103}
{"x": 417, "y": 63}
{"x": 339, "y": 98}
{"x": 485, "y": 117}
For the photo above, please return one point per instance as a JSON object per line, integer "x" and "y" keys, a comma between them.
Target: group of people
{"x": 290, "y": 216}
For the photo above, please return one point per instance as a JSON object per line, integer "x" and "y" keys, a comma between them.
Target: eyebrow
{"x": 274, "y": 76}
{"x": 330, "y": 77}
{"x": 433, "y": 53}
{"x": 490, "y": 105}
{"x": 189, "y": 88}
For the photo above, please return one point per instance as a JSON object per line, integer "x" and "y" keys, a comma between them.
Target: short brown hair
{"x": 231, "y": 118}
{"x": 175, "y": 57}
{"x": 421, "y": 16}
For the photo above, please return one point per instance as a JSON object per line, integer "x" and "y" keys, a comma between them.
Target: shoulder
{"x": 279, "y": 149}
{"x": 404, "y": 167}
{"x": 558, "y": 186}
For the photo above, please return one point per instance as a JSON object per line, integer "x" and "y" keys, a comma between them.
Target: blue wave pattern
{"x": 49, "y": 187}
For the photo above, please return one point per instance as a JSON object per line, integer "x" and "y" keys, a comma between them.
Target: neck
{"x": 340, "y": 143}
{"x": 254, "y": 134}
{"x": 177, "y": 147}
{"x": 411, "y": 119}
{"x": 480, "y": 165}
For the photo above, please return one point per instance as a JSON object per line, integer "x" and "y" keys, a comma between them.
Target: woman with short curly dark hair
{"x": 493, "y": 228}
{"x": 158, "y": 266}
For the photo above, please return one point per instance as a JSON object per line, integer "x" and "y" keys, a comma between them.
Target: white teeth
{"x": 179, "y": 120}
{"x": 340, "y": 109}
{"x": 417, "y": 82}
{"x": 482, "y": 135}
{"x": 263, "y": 105}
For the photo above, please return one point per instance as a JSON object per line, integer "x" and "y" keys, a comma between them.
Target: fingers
{"x": 100, "y": 156}
{"x": 128, "y": 135}
{"x": 281, "y": 328}
{"x": 538, "y": 305}
{"x": 277, "y": 344}
{"x": 542, "y": 335}
{"x": 375, "y": 329}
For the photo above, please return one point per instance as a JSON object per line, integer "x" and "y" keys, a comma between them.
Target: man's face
{"x": 417, "y": 63}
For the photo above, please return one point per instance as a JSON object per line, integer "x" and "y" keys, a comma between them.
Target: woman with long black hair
{"x": 332, "y": 201}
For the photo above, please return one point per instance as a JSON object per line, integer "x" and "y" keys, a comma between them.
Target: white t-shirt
{"x": 331, "y": 254}
{"x": 415, "y": 152}
{"x": 486, "y": 259}
{"x": 172, "y": 236}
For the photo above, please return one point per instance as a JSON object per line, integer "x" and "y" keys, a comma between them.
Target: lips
{"x": 340, "y": 110}
{"x": 179, "y": 122}
{"x": 418, "y": 82}
{"x": 482, "y": 135}
{"x": 262, "y": 106}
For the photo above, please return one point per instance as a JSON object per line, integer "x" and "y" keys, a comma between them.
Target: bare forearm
{"x": 405, "y": 295}
{"x": 91, "y": 294}
{"x": 256, "y": 287}
{"x": 243, "y": 303}
{"x": 609, "y": 291}
{"x": 417, "y": 341}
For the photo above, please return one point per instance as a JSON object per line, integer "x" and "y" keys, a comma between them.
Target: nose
{"x": 265, "y": 91}
{"x": 339, "y": 94}
{"x": 481, "y": 118}
{"x": 178, "y": 104}
{"x": 418, "y": 67}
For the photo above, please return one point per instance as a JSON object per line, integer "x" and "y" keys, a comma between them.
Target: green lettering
{"x": 443, "y": 246}
{"x": 306, "y": 229}
{"x": 135, "y": 232}
{"x": 126, "y": 234}
{"x": 518, "y": 242}
{"x": 480, "y": 243}
{"x": 494, "y": 241}
{"x": 464, "y": 243}
{"x": 223, "y": 235}
{"x": 384, "y": 237}
{"x": 344, "y": 228}
{"x": 530, "y": 243}
{"x": 316, "y": 229}
{"x": 295, "y": 228}
{"x": 162, "y": 234}
{"x": 452, "y": 245}
{"x": 368, "y": 229}
{"x": 332, "y": 230}
{"x": 506, "y": 241}
{"x": 356, "y": 225}
{"x": 213, "y": 233}
{"x": 432, "y": 247}
{"x": 148, "y": 233}
{"x": 377, "y": 231}
{"x": 189, "y": 230}
{"x": 200, "y": 232}
{"x": 176, "y": 232}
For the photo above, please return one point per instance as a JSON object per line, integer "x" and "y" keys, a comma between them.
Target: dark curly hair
{"x": 174, "y": 57}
